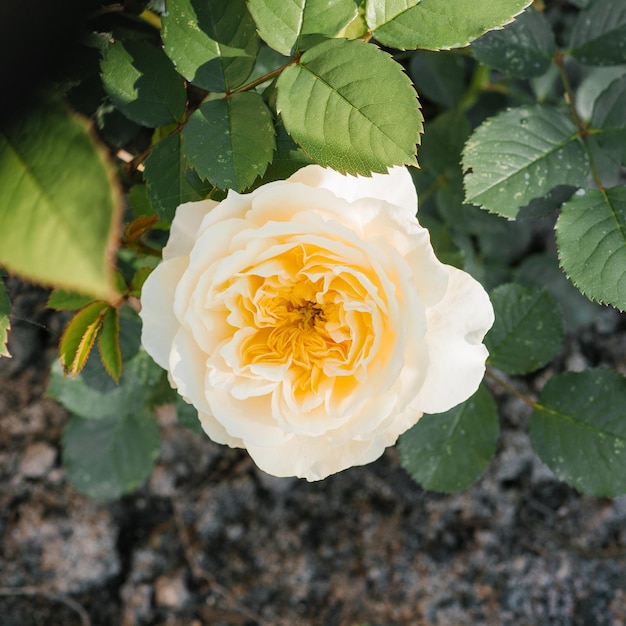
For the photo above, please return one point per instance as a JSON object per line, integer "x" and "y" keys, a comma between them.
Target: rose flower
{"x": 310, "y": 322}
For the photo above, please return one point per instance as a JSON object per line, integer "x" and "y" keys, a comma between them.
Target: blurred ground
{"x": 210, "y": 540}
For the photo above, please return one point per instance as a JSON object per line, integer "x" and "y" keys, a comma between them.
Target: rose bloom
{"x": 310, "y": 322}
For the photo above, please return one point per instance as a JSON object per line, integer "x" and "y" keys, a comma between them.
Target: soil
{"x": 211, "y": 540}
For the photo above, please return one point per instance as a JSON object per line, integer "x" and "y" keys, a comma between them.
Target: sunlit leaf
{"x": 109, "y": 344}
{"x": 230, "y": 141}
{"x": 519, "y": 155}
{"x": 578, "y": 430}
{"x": 58, "y": 203}
{"x": 62, "y": 300}
{"x": 437, "y": 24}
{"x": 213, "y": 43}
{"x": 449, "y": 451}
{"x": 350, "y": 107}
{"x": 290, "y": 26}
{"x": 528, "y": 331}
{"x": 80, "y": 335}
{"x": 591, "y": 237}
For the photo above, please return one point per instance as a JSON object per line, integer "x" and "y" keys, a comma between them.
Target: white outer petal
{"x": 185, "y": 227}
{"x": 395, "y": 188}
{"x": 455, "y": 329}
{"x": 157, "y": 309}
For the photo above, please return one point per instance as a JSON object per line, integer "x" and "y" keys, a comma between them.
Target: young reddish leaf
{"x": 109, "y": 344}
{"x": 139, "y": 226}
{"x": 79, "y": 336}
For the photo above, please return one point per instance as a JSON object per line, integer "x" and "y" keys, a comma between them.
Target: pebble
{"x": 38, "y": 460}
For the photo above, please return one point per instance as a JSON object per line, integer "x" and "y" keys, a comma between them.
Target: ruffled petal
{"x": 395, "y": 188}
{"x": 456, "y": 327}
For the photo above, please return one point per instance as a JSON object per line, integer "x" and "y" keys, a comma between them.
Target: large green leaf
{"x": 519, "y": 155}
{"x": 523, "y": 49}
{"x": 59, "y": 205}
{"x": 213, "y": 43}
{"x": 96, "y": 399}
{"x": 437, "y": 24}
{"x": 599, "y": 35}
{"x": 528, "y": 331}
{"x": 170, "y": 181}
{"x": 230, "y": 141}
{"x": 591, "y": 237}
{"x": 351, "y": 107}
{"x": 578, "y": 429}
{"x": 112, "y": 456}
{"x": 295, "y": 25}
{"x": 5, "y": 323}
{"x": 142, "y": 83}
{"x": 449, "y": 451}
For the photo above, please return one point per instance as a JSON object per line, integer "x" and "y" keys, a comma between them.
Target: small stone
{"x": 38, "y": 460}
{"x": 170, "y": 591}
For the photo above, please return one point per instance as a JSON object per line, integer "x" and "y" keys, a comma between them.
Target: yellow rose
{"x": 310, "y": 322}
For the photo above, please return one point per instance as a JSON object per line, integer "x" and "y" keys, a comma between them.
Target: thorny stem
{"x": 518, "y": 394}
{"x": 583, "y": 131}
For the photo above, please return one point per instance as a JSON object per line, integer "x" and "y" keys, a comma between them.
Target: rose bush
{"x": 310, "y": 322}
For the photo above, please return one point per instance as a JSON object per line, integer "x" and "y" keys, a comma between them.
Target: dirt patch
{"x": 211, "y": 540}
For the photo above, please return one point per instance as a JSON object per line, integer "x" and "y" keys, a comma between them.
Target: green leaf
{"x": 609, "y": 115}
{"x": 519, "y": 155}
{"x": 62, "y": 300}
{"x": 593, "y": 84}
{"x": 449, "y": 451}
{"x": 58, "y": 203}
{"x": 142, "y": 83}
{"x": 188, "y": 416}
{"x": 591, "y": 237}
{"x": 528, "y": 331}
{"x": 170, "y": 181}
{"x": 5, "y": 323}
{"x": 213, "y": 43}
{"x": 578, "y": 430}
{"x": 80, "y": 335}
{"x": 288, "y": 158}
{"x": 599, "y": 35}
{"x": 230, "y": 141}
{"x": 86, "y": 400}
{"x": 350, "y": 107}
{"x": 524, "y": 49}
{"x": 291, "y": 26}
{"x": 437, "y": 24}
{"x": 542, "y": 270}
{"x": 109, "y": 344}
{"x": 107, "y": 458}
{"x": 438, "y": 76}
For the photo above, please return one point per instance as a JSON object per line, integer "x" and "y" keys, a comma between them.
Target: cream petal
{"x": 187, "y": 366}
{"x": 157, "y": 309}
{"x": 396, "y": 187}
{"x": 185, "y": 226}
{"x": 217, "y": 432}
{"x": 249, "y": 419}
{"x": 313, "y": 458}
{"x": 455, "y": 328}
